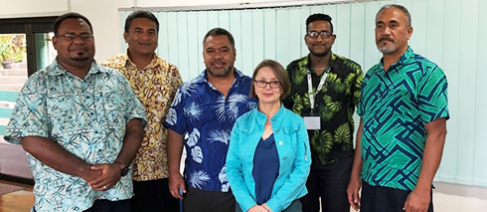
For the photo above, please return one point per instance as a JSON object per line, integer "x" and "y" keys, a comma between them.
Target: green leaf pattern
{"x": 344, "y": 80}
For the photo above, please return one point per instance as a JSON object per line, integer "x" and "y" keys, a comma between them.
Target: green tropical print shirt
{"x": 335, "y": 104}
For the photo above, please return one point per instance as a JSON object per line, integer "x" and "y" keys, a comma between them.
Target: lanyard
{"x": 318, "y": 89}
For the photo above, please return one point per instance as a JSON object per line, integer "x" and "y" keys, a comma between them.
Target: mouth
{"x": 145, "y": 44}
{"x": 218, "y": 64}
{"x": 386, "y": 39}
{"x": 79, "y": 50}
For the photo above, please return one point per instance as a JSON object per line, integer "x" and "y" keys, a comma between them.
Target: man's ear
{"x": 126, "y": 36}
{"x": 410, "y": 31}
{"x": 54, "y": 42}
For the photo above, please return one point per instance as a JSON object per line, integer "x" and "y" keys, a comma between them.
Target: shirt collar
{"x": 331, "y": 63}
{"x": 402, "y": 60}
{"x": 203, "y": 79}
{"x": 128, "y": 63}
{"x": 261, "y": 118}
{"x": 57, "y": 69}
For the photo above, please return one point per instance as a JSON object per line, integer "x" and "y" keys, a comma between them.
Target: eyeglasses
{"x": 262, "y": 83}
{"x": 72, "y": 36}
{"x": 324, "y": 34}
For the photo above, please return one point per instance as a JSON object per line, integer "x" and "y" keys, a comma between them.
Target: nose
{"x": 387, "y": 31}
{"x": 218, "y": 54}
{"x": 78, "y": 40}
{"x": 320, "y": 38}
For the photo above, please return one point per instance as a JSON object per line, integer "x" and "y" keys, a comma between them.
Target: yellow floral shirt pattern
{"x": 155, "y": 87}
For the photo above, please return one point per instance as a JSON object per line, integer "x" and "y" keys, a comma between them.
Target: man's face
{"x": 319, "y": 46}
{"x": 141, "y": 37}
{"x": 392, "y": 31}
{"x": 70, "y": 49}
{"x": 219, "y": 55}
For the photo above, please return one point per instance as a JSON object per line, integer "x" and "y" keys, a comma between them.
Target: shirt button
{"x": 277, "y": 131}
{"x": 280, "y": 143}
{"x": 246, "y": 131}
{"x": 284, "y": 158}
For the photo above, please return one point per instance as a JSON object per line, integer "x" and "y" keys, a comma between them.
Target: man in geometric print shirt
{"x": 404, "y": 111}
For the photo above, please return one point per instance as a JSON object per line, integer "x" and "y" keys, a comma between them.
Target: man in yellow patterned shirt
{"x": 155, "y": 82}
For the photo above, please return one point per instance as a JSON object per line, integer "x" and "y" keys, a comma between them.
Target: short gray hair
{"x": 396, "y": 6}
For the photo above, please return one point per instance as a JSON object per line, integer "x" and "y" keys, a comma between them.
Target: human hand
{"x": 353, "y": 192}
{"x": 418, "y": 201}
{"x": 258, "y": 208}
{"x": 266, "y": 207}
{"x": 176, "y": 182}
{"x": 110, "y": 175}
{"x": 90, "y": 175}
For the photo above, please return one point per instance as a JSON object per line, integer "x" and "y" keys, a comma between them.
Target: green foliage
{"x": 12, "y": 48}
{"x": 342, "y": 133}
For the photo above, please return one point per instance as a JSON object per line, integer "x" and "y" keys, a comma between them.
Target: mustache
{"x": 386, "y": 38}
{"x": 218, "y": 61}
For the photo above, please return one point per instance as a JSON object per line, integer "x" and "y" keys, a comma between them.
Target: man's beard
{"x": 320, "y": 54}
{"x": 387, "y": 50}
{"x": 223, "y": 73}
{"x": 80, "y": 57}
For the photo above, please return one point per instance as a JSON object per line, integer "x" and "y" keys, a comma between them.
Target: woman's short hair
{"x": 280, "y": 73}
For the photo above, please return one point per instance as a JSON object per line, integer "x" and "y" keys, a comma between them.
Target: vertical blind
{"x": 448, "y": 32}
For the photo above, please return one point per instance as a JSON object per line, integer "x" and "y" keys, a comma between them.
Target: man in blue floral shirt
{"x": 80, "y": 125}
{"x": 205, "y": 109}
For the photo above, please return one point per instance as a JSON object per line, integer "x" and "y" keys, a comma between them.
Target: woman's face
{"x": 267, "y": 87}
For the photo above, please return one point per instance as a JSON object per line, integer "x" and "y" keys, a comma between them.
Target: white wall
{"x": 107, "y": 27}
{"x": 104, "y": 16}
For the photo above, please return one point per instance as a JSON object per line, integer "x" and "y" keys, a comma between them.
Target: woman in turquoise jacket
{"x": 268, "y": 160}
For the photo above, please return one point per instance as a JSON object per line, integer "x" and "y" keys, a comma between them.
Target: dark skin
{"x": 219, "y": 56}
{"x": 319, "y": 47}
{"x": 174, "y": 147}
{"x": 110, "y": 173}
{"x": 142, "y": 41}
{"x": 50, "y": 153}
{"x": 419, "y": 199}
{"x": 76, "y": 57}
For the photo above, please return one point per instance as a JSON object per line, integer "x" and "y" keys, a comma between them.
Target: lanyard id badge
{"x": 318, "y": 89}
{"x": 314, "y": 122}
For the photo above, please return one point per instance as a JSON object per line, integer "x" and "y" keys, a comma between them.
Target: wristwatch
{"x": 124, "y": 170}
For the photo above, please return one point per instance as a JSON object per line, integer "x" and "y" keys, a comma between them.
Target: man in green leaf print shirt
{"x": 325, "y": 89}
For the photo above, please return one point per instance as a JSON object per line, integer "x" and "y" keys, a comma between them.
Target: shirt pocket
{"x": 248, "y": 141}
{"x": 289, "y": 144}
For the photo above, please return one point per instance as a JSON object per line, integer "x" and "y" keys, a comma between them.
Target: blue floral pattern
{"x": 87, "y": 117}
{"x": 207, "y": 117}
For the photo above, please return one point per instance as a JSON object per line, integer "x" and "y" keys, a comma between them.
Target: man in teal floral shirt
{"x": 325, "y": 90}
{"x": 80, "y": 125}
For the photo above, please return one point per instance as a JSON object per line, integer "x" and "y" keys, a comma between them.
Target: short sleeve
{"x": 357, "y": 86}
{"x": 361, "y": 102}
{"x": 29, "y": 117}
{"x": 432, "y": 95}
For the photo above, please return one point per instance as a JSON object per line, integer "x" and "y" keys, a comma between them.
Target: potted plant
{"x": 11, "y": 49}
